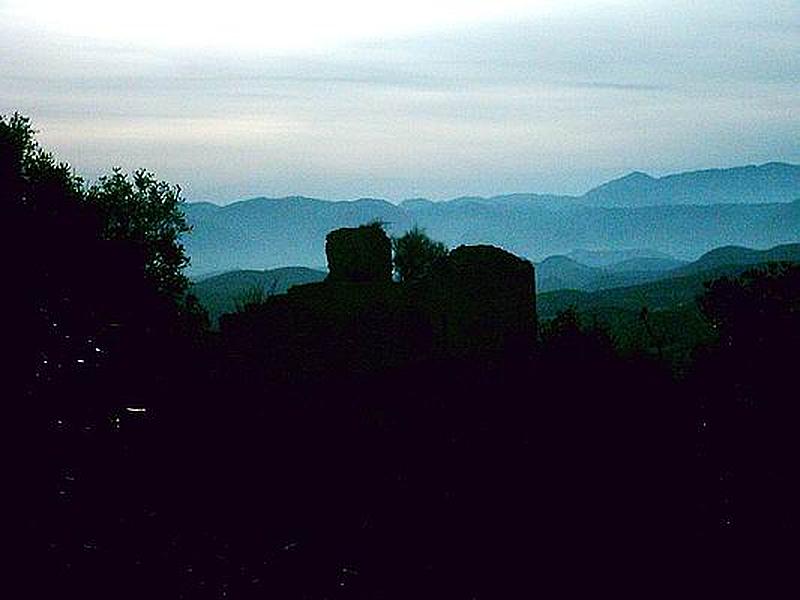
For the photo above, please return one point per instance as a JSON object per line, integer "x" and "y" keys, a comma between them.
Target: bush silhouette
{"x": 415, "y": 253}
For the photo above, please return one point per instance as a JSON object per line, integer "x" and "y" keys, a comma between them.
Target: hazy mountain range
{"x": 669, "y": 289}
{"x": 560, "y": 281}
{"x": 681, "y": 216}
{"x": 562, "y": 272}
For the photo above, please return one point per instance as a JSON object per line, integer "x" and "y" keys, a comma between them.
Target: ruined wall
{"x": 477, "y": 301}
{"x": 482, "y": 299}
{"x": 359, "y": 254}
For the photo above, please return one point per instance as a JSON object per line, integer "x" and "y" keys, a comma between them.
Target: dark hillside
{"x": 737, "y": 255}
{"x": 220, "y": 293}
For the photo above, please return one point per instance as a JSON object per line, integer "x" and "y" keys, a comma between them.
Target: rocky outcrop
{"x": 482, "y": 300}
{"x": 359, "y": 254}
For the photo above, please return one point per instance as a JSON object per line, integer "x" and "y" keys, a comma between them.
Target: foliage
{"x": 761, "y": 305}
{"x": 41, "y": 201}
{"x": 254, "y": 296}
{"x": 414, "y": 253}
{"x": 193, "y": 315}
{"x": 148, "y": 213}
{"x": 567, "y": 335}
{"x": 99, "y": 273}
{"x": 32, "y": 179}
{"x": 748, "y": 412}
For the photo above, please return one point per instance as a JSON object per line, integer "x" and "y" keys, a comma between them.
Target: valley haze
{"x": 682, "y": 216}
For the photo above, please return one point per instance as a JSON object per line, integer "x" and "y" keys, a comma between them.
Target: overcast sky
{"x": 404, "y": 99}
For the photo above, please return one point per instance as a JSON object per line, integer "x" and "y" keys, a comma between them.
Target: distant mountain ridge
{"x": 751, "y": 184}
{"x": 738, "y": 255}
{"x": 668, "y": 289}
{"x": 564, "y": 273}
{"x": 682, "y": 215}
{"x": 770, "y": 182}
{"x": 620, "y": 256}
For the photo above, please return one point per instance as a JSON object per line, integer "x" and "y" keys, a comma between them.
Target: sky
{"x": 420, "y": 98}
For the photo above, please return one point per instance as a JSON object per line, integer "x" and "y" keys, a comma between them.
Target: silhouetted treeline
{"x": 371, "y": 438}
{"x": 746, "y": 388}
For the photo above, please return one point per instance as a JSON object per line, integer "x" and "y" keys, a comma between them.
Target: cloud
{"x": 552, "y": 103}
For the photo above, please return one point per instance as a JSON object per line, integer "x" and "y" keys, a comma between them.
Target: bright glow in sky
{"x": 276, "y": 25}
{"x": 349, "y": 98}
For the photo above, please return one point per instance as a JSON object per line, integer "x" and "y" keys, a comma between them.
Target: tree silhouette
{"x": 565, "y": 335}
{"x": 97, "y": 315}
{"x": 100, "y": 293}
{"x": 414, "y": 253}
{"x": 748, "y": 413}
{"x": 146, "y": 212}
{"x": 762, "y": 305}
{"x": 41, "y": 203}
